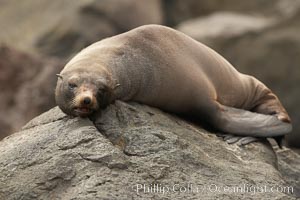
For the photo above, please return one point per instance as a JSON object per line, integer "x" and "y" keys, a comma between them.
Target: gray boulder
{"x": 177, "y": 11}
{"x": 223, "y": 26}
{"x": 96, "y": 20}
{"x": 27, "y": 84}
{"x": 136, "y": 152}
{"x": 61, "y": 28}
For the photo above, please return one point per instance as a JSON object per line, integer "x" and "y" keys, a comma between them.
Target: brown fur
{"x": 162, "y": 67}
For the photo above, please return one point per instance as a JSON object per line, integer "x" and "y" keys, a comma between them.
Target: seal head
{"x": 82, "y": 93}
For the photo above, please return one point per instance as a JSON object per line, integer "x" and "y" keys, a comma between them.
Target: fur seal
{"x": 164, "y": 68}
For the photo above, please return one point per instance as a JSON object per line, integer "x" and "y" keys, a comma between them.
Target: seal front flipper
{"x": 245, "y": 123}
{"x": 239, "y": 140}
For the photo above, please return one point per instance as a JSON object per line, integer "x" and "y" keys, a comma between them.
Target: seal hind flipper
{"x": 239, "y": 140}
{"x": 245, "y": 123}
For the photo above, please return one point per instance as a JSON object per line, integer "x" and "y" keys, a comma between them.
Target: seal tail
{"x": 246, "y": 123}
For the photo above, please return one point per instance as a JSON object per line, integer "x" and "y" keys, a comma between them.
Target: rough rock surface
{"x": 269, "y": 52}
{"x": 57, "y": 157}
{"x": 24, "y": 93}
{"x": 289, "y": 166}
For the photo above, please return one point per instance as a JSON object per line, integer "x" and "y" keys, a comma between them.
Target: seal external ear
{"x": 59, "y": 76}
{"x": 116, "y": 86}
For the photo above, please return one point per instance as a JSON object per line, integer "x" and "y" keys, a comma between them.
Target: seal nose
{"x": 87, "y": 100}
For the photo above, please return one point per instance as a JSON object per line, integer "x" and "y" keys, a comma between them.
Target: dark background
{"x": 259, "y": 37}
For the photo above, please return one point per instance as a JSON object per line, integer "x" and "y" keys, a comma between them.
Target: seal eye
{"x": 72, "y": 86}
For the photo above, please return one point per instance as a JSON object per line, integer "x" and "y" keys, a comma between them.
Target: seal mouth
{"x": 83, "y": 111}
